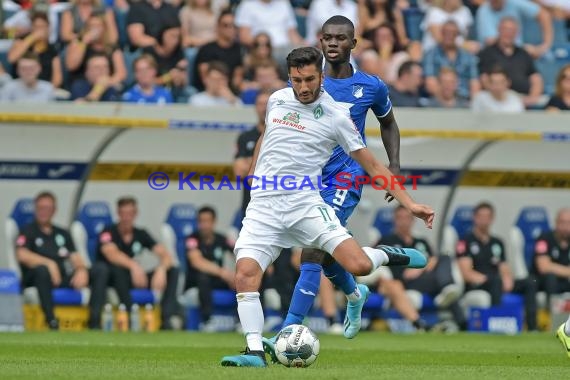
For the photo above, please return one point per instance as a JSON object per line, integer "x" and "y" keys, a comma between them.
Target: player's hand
{"x": 80, "y": 278}
{"x": 411, "y": 273}
{"x": 423, "y": 212}
{"x": 138, "y": 276}
{"x": 158, "y": 281}
{"x": 395, "y": 169}
{"x": 53, "y": 270}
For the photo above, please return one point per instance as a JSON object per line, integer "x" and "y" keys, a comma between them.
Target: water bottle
{"x": 122, "y": 319}
{"x": 149, "y": 318}
{"x": 107, "y": 318}
{"x": 135, "y": 318}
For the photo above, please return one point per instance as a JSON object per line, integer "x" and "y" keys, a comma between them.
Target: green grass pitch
{"x": 371, "y": 355}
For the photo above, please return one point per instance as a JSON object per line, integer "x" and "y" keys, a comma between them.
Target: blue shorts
{"x": 342, "y": 201}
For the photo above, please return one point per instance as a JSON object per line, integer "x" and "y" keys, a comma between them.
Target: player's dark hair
{"x": 407, "y": 67}
{"x": 45, "y": 194}
{"x": 339, "y": 20}
{"x": 39, "y": 15}
{"x": 220, "y": 67}
{"x": 484, "y": 205}
{"x": 124, "y": 201}
{"x": 225, "y": 13}
{"x": 30, "y": 55}
{"x": 498, "y": 69}
{"x": 305, "y": 56}
{"x": 207, "y": 209}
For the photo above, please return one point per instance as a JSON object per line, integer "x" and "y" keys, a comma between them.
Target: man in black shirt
{"x": 206, "y": 250}
{"x": 246, "y": 145}
{"x": 516, "y": 62}
{"x": 436, "y": 278}
{"x": 482, "y": 262}
{"x": 552, "y": 256}
{"x": 146, "y": 20}
{"x": 224, "y": 49}
{"x": 119, "y": 245}
{"x": 48, "y": 258}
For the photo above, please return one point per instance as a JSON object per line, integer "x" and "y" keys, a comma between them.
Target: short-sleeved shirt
{"x": 488, "y": 20}
{"x": 437, "y": 16}
{"x": 394, "y": 240}
{"x": 232, "y": 57}
{"x": 57, "y": 246}
{"x": 213, "y": 252}
{"x": 153, "y": 20}
{"x": 299, "y": 140}
{"x": 486, "y": 256}
{"x": 160, "y": 95}
{"x": 17, "y": 91}
{"x": 547, "y": 245}
{"x": 141, "y": 239}
{"x": 275, "y": 18}
{"x": 465, "y": 66}
{"x": 519, "y": 66}
{"x": 557, "y": 102}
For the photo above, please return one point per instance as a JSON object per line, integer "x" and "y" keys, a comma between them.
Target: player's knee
{"x": 361, "y": 266}
{"x": 248, "y": 276}
{"x": 309, "y": 255}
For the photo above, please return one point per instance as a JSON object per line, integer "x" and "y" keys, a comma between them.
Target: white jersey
{"x": 298, "y": 142}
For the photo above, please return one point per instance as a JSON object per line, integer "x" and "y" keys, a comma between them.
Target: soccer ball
{"x": 297, "y": 346}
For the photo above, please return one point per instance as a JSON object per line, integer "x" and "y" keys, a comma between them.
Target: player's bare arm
{"x": 390, "y": 133}
{"x": 374, "y": 168}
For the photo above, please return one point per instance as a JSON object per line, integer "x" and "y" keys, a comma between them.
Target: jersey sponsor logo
{"x": 541, "y": 247}
{"x": 280, "y": 102}
{"x": 191, "y": 243}
{"x": 307, "y": 292}
{"x": 496, "y": 250}
{"x": 59, "y": 240}
{"x": 106, "y": 237}
{"x": 39, "y": 242}
{"x": 474, "y": 248}
{"x": 21, "y": 241}
{"x": 318, "y": 112}
{"x": 357, "y": 91}
{"x": 461, "y": 247}
{"x": 137, "y": 247}
{"x": 293, "y": 117}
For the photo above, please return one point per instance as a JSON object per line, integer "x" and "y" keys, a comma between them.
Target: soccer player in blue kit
{"x": 359, "y": 92}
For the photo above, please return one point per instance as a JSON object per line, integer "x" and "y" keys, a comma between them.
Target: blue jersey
{"x": 359, "y": 93}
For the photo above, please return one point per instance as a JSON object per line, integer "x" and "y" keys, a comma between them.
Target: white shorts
{"x": 285, "y": 221}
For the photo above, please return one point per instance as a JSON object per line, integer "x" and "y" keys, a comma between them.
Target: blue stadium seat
{"x": 181, "y": 221}
{"x": 384, "y": 221}
{"x": 531, "y": 222}
{"x": 462, "y": 220}
{"x": 23, "y": 212}
{"x": 93, "y": 217}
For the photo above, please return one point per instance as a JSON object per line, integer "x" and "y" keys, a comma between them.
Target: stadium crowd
{"x": 488, "y": 55}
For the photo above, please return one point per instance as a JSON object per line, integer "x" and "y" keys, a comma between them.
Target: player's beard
{"x": 315, "y": 94}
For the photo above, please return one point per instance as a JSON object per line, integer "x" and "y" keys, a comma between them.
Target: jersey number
{"x": 325, "y": 214}
{"x": 339, "y": 197}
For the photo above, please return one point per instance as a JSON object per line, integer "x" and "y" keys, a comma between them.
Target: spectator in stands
{"x": 321, "y": 10}
{"x": 387, "y": 55}
{"x": 491, "y": 13}
{"x": 552, "y": 257}
{"x": 37, "y": 41}
{"x": 48, "y": 258}
{"x": 146, "y": 19}
{"x": 482, "y": 262}
{"x": 447, "y": 96}
{"x": 435, "y": 279}
{"x": 225, "y": 49}
{"x": 172, "y": 65}
{"x": 94, "y": 39}
{"x": 206, "y": 250}
{"x": 405, "y": 92}
{"x": 28, "y": 88}
{"x": 74, "y": 19}
{"x": 246, "y": 145}
{"x": 120, "y": 246}
{"x": 198, "y": 21}
{"x": 260, "y": 53}
{"x": 499, "y": 97}
{"x": 217, "y": 92}
{"x": 560, "y": 101}
{"x": 441, "y": 12}
{"x": 97, "y": 85}
{"x": 516, "y": 62}
{"x": 145, "y": 90}
{"x": 374, "y": 13}
{"x": 447, "y": 54}
{"x": 266, "y": 78}
{"x": 274, "y": 17}
{"x": 20, "y": 24}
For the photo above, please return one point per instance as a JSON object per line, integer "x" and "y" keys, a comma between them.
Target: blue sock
{"x": 340, "y": 278}
{"x": 306, "y": 290}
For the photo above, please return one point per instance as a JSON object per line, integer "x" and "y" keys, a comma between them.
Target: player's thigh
{"x": 313, "y": 255}
{"x": 342, "y": 201}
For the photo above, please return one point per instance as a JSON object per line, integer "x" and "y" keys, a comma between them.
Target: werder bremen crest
{"x": 318, "y": 112}
{"x": 293, "y": 117}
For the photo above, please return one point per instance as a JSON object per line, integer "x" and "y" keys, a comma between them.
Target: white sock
{"x": 377, "y": 256}
{"x": 567, "y": 327}
{"x": 354, "y": 296}
{"x": 251, "y": 317}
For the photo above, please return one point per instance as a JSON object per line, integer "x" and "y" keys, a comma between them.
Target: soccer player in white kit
{"x": 303, "y": 126}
